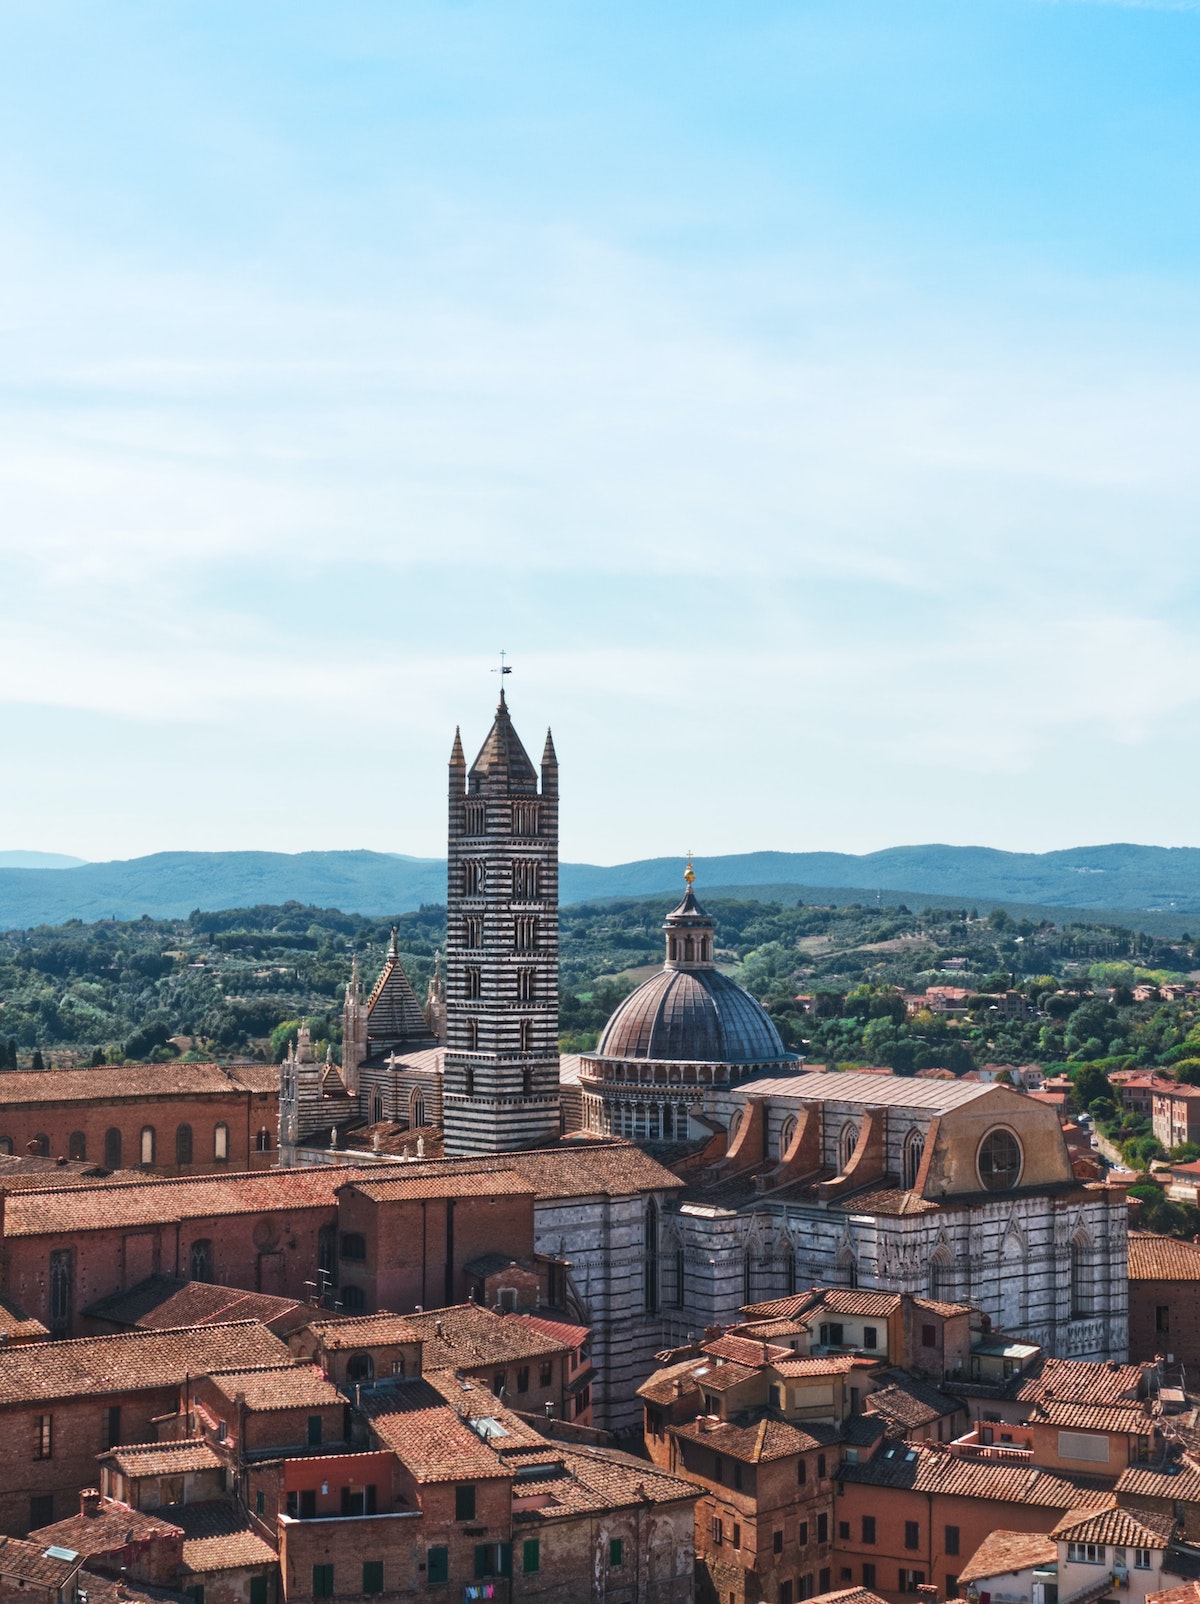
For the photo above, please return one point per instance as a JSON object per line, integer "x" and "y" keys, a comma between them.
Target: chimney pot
{"x": 89, "y": 1501}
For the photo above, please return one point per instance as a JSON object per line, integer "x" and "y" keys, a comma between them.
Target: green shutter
{"x": 616, "y": 1551}
{"x": 322, "y": 1581}
{"x": 372, "y": 1576}
{"x": 531, "y": 1554}
{"x": 258, "y": 1590}
{"x": 438, "y": 1562}
{"x": 506, "y": 1559}
{"x": 483, "y": 1559}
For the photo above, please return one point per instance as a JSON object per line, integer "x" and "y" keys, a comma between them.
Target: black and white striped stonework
{"x": 500, "y": 1083}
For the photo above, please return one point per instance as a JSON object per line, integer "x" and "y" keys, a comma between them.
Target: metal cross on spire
{"x": 505, "y": 668}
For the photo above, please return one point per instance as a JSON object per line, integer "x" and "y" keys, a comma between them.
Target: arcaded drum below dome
{"x": 695, "y": 1015}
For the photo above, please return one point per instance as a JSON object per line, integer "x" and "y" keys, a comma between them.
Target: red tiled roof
{"x": 150, "y": 1202}
{"x": 849, "y": 1595}
{"x": 17, "y": 1326}
{"x": 1002, "y": 1553}
{"x": 218, "y": 1537}
{"x": 1081, "y": 1381}
{"x": 833, "y": 1365}
{"x": 1162, "y": 1258}
{"x": 415, "y": 1421}
{"x": 592, "y": 1480}
{"x": 291, "y": 1386}
{"x": 466, "y": 1336}
{"x": 746, "y": 1351}
{"x": 925, "y": 1468}
{"x": 163, "y": 1303}
{"x": 1181, "y": 1481}
{"x": 23, "y": 1562}
{"x": 113, "y": 1525}
{"x": 911, "y": 1403}
{"x": 364, "y": 1331}
{"x": 1122, "y": 1527}
{"x": 570, "y": 1336}
{"x": 137, "y": 1082}
{"x": 163, "y": 1458}
{"x": 1130, "y": 1419}
{"x": 401, "y": 1188}
{"x": 754, "y": 1444}
{"x": 130, "y": 1362}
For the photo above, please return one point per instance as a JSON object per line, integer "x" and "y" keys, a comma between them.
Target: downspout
{"x": 424, "y": 1208}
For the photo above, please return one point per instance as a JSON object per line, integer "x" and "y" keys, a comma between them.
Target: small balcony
{"x": 980, "y": 1444}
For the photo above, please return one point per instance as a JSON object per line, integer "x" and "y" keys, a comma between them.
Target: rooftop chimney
{"x": 89, "y": 1501}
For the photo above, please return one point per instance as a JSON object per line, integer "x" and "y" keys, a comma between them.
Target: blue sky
{"x": 805, "y": 395}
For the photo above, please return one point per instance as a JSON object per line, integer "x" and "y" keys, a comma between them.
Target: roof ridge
{"x": 60, "y": 1344}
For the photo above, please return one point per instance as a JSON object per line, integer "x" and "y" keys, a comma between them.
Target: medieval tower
{"x": 500, "y": 1083}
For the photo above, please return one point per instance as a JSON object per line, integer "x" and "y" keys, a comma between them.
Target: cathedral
{"x": 787, "y": 1177}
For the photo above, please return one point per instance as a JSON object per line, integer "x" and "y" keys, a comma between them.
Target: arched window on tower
{"x": 689, "y": 949}
{"x": 527, "y": 1035}
{"x": 377, "y": 1108}
{"x": 146, "y": 1145}
{"x": 183, "y": 1144}
{"x": 847, "y": 1142}
{"x": 416, "y": 1110}
{"x": 201, "y": 1259}
{"x": 262, "y": 1141}
{"x": 786, "y": 1134}
{"x": 526, "y": 1083}
{"x": 914, "y": 1150}
{"x": 221, "y": 1143}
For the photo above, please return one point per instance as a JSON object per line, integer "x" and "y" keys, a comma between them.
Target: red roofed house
{"x": 1164, "y": 1299}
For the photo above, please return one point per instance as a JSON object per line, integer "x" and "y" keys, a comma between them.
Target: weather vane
{"x": 505, "y": 668}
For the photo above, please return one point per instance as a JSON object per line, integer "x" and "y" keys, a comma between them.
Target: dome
{"x": 696, "y": 1016}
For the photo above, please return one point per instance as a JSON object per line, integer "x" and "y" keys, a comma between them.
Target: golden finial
{"x": 689, "y": 874}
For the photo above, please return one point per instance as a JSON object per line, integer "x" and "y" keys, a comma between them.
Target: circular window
{"x": 999, "y": 1160}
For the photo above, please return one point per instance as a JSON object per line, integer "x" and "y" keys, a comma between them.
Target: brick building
{"x": 170, "y": 1119}
{"x": 1164, "y": 1300}
{"x": 63, "y": 1403}
{"x": 1175, "y": 1114}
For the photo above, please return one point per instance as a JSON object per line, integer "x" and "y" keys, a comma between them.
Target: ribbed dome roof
{"x": 695, "y": 1016}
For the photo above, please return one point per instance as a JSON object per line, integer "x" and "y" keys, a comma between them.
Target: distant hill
{"x": 38, "y": 860}
{"x": 1102, "y": 881}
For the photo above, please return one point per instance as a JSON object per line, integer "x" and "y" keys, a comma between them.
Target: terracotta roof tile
{"x": 746, "y": 1351}
{"x": 219, "y": 1537}
{"x": 150, "y": 1202}
{"x": 137, "y": 1082}
{"x": 1131, "y": 1419}
{"x": 591, "y": 1480}
{"x": 364, "y": 1331}
{"x": 1186, "y": 1593}
{"x": 1001, "y": 1553}
{"x": 466, "y": 1336}
{"x": 1081, "y": 1381}
{"x": 754, "y": 1444}
{"x": 1162, "y": 1258}
{"x": 112, "y": 1526}
{"x": 561, "y": 1331}
{"x": 413, "y": 1419}
{"x": 849, "y": 1595}
{"x": 927, "y": 1469}
{"x": 574, "y": 1168}
{"x": 289, "y": 1387}
{"x": 163, "y": 1303}
{"x": 1123, "y": 1527}
{"x": 911, "y": 1403}
{"x": 163, "y": 1458}
{"x": 130, "y": 1362}
{"x": 833, "y": 1365}
{"x": 661, "y": 1386}
{"x": 24, "y": 1562}
{"x": 1181, "y": 1481}
{"x": 400, "y": 1188}
{"x": 17, "y": 1326}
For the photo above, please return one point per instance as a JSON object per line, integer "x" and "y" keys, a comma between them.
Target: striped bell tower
{"x": 500, "y": 1080}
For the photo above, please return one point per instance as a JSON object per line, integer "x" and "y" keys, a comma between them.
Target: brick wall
{"x": 79, "y": 1431}
{"x": 79, "y": 1129}
{"x": 1173, "y": 1303}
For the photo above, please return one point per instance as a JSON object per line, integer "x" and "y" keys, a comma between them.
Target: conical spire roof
{"x": 393, "y": 1013}
{"x": 503, "y": 763}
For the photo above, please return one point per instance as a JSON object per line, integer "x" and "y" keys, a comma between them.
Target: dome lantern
{"x": 689, "y": 930}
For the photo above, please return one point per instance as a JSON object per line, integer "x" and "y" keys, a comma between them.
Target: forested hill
{"x": 239, "y": 981}
{"x": 1104, "y": 881}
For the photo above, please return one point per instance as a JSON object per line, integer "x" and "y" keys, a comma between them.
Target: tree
{"x": 97, "y": 1057}
{"x": 38, "y": 1062}
{"x": 1187, "y": 1071}
{"x": 1091, "y": 1085}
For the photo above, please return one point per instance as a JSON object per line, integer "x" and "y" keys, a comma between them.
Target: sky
{"x": 804, "y": 395}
